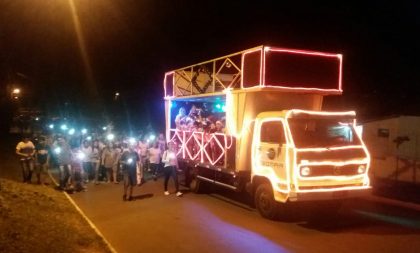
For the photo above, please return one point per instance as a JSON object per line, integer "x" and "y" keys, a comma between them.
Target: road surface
{"x": 217, "y": 222}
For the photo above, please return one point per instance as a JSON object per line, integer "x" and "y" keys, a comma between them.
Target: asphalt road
{"x": 218, "y": 222}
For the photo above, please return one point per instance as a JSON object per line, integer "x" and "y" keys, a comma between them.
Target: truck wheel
{"x": 264, "y": 201}
{"x": 196, "y": 185}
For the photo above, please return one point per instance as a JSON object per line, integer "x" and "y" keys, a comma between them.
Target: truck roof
{"x": 260, "y": 68}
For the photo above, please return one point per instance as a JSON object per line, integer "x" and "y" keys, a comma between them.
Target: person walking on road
{"x": 26, "y": 151}
{"x": 42, "y": 160}
{"x": 170, "y": 168}
{"x": 129, "y": 160}
{"x": 64, "y": 157}
{"x": 154, "y": 158}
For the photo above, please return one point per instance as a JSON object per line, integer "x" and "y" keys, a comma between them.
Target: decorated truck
{"x": 253, "y": 122}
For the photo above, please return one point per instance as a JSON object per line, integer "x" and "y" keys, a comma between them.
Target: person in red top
{"x": 26, "y": 151}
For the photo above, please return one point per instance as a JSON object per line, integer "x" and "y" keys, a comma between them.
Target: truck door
{"x": 269, "y": 153}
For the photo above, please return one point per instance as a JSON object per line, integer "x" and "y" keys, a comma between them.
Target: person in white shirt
{"x": 143, "y": 146}
{"x": 26, "y": 151}
{"x": 170, "y": 168}
{"x": 86, "y": 149}
{"x": 154, "y": 159}
{"x": 180, "y": 117}
{"x": 95, "y": 159}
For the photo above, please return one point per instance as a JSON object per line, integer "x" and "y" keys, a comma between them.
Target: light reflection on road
{"x": 236, "y": 238}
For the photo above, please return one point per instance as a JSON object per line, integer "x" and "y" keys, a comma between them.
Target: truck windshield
{"x": 322, "y": 131}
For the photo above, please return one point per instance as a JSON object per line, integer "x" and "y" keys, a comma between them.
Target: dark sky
{"x": 131, "y": 43}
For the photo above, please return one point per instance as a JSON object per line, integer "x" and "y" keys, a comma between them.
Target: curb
{"x": 91, "y": 224}
{"x": 393, "y": 202}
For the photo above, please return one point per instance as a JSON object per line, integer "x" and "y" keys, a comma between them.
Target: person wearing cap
{"x": 170, "y": 168}
{"x": 25, "y": 149}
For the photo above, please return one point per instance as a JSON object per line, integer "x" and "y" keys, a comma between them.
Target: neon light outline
{"x": 259, "y": 169}
{"x": 296, "y": 169}
{"x": 314, "y": 53}
{"x": 242, "y": 67}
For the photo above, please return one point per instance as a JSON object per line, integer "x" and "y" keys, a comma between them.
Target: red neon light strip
{"x": 293, "y": 51}
{"x": 242, "y": 66}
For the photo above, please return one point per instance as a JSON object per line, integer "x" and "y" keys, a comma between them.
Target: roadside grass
{"x": 36, "y": 218}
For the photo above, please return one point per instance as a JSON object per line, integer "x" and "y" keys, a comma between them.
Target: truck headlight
{"x": 305, "y": 171}
{"x": 361, "y": 169}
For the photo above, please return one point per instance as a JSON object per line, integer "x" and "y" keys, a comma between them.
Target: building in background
{"x": 394, "y": 145}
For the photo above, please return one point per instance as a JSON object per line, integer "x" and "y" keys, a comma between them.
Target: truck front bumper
{"x": 329, "y": 195}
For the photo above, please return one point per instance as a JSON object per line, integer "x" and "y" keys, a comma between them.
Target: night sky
{"x": 129, "y": 44}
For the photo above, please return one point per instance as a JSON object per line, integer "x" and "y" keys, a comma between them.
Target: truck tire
{"x": 197, "y": 185}
{"x": 264, "y": 201}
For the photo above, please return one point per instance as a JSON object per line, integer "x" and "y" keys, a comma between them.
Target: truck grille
{"x": 331, "y": 170}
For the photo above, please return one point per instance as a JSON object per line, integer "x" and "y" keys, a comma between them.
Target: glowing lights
{"x": 89, "y": 138}
{"x": 152, "y": 137}
{"x": 63, "y": 127}
{"x": 84, "y": 131}
{"x": 130, "y": 160}
{"x": 220, "y": 107}
{"x": 37, "y": 119}
{"x": 110, "y": 137}
{"x": 57, "y": 150}
{"x": 194, "y": 145}
{"x": 361, "y": 169}
{"x": 16, "y": 91}
{"x": 305, "y": 171}
{"x": 132, "y": 141}
{"x": 80, "y": 155}
{"x": 51, "y": 126}
{"x": 104, "y": 128}
{"x": 72, "y": 131}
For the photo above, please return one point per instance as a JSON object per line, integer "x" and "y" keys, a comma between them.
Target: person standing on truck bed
{"x": 170, "y": 168}
{"x": 180, "y": 117}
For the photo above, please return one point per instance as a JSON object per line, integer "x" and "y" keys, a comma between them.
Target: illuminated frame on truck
{"x": 292, "y": 70}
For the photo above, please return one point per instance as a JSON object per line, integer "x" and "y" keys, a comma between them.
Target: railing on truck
{"x": 203, "y": 147}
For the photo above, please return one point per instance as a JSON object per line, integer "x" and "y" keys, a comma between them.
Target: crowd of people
{"x": 98, "y": 160}
{"x": 211, "y": 125}
{"x": 196, "y": 121}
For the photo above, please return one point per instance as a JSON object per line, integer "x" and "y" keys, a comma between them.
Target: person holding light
{"x": 170, "y": 168}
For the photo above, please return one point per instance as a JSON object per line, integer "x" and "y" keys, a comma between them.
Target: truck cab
{"x": 309, "y": 155}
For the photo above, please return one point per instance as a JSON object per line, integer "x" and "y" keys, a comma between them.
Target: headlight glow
{"x": 305, "y": 171}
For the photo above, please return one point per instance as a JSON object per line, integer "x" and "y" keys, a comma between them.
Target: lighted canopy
{"x": 262, "y": 67}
